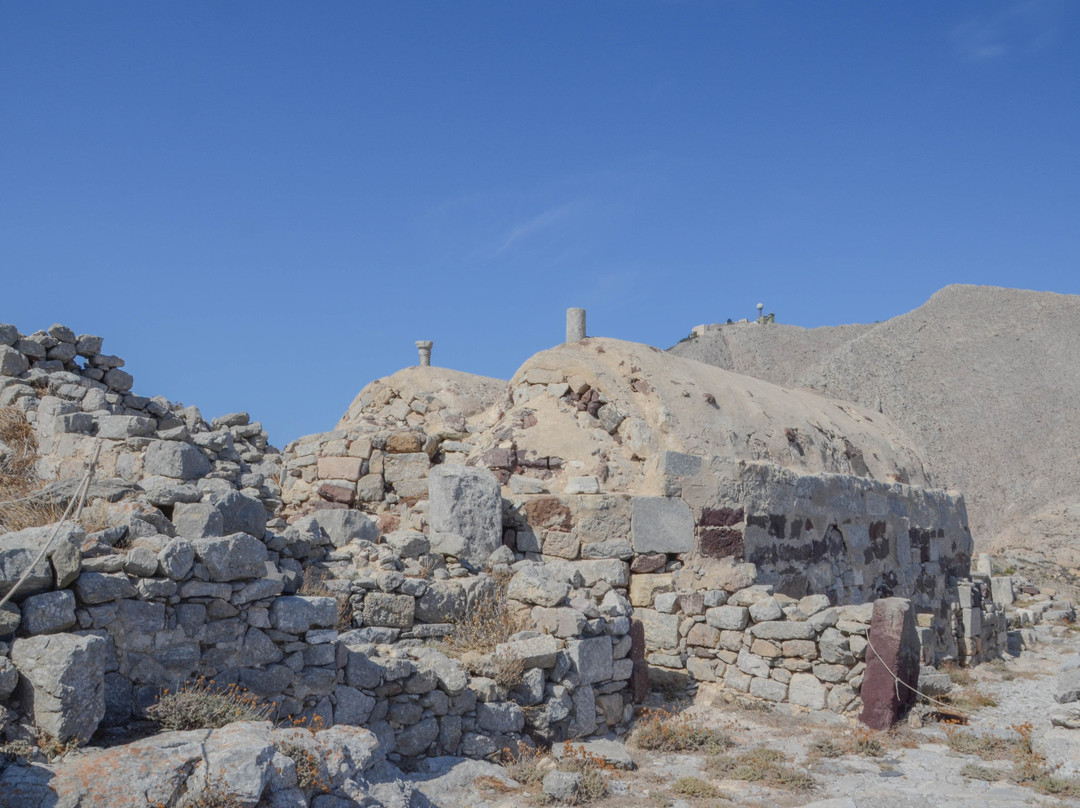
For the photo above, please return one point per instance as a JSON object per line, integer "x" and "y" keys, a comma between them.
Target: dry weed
{"x": 696, "y": 788}
{"x": 488, "y": 623}
{"x": 202, "y": 704}
{"x": 314, "y": 585}
{"x": 663, "y": 730}
{"x": 527, "y": 764}
{"x": 592, "y": 768}
{"x": 761, "y": 765}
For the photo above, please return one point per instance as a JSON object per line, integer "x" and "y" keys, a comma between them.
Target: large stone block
{"x": 391, "y": 611}
{"x": 171, "y": 458}
{"x": 662, "y": 525}
{"x": 591, "y": 658}
{"x": 63, "y": 682}
{"x": 892, "y": 663}
{"x": 49, "y": 612}
{"x": 340, "y": 525}
{"x": 660, "y": 630}
{"x": 237, "y": 557}
{"x": 57, "y": 569}
{"x": 466, "y": 501}
{"x": 240, "y": 513}
{"x": 538, "y": 584}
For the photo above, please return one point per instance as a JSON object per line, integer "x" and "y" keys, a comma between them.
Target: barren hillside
{"x": 984, "y": 379}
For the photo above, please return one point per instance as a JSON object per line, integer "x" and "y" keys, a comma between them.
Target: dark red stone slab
{"x": 893, "y": 653}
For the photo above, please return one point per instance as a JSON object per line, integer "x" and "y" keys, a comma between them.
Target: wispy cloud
{"x": 548, "y": 219}
{"x": 1018, "y": 28}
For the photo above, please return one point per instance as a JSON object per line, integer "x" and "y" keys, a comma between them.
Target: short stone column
{"x": 575, "y": 325}
{"x": 424, "y": 346}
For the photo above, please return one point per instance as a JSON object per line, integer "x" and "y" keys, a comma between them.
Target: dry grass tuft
{"x": 314, "y": 586}
{"x": 202, "y": 704}
{"x": 1028, "y": 767}
{"x": 488, "y": 623}
{"x": 761, "y": 765}
{"x": 528, "y": 764}
{"x": 18, "y": 476}
{"x": 592, "y": 768}
{"x": 696, "y": 788}
{"x": 662, "y": 730}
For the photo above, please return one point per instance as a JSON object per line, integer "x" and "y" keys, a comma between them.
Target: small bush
{"x": 203, "y": 705}
{"x": 592, "y": 768}
{"x": 527, "y": 764}
{"x": 308, "y": 772}
{"x": 662, "y": 730}
{"x": 509, "y": 670}
{"x": 696, "y": 787}
{"x": 18, "y": 476}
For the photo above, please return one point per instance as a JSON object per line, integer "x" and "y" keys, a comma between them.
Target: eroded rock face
{"x": 63, "y": 678}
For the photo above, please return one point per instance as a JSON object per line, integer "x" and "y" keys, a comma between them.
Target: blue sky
{"x": 261, "y": 205}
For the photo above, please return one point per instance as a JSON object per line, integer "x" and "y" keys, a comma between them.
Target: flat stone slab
{"x": 612, "y": 752}
{"x": 661, "y": 525}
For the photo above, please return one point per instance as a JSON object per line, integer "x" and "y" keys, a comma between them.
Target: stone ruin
{"x": 649, "y": 520}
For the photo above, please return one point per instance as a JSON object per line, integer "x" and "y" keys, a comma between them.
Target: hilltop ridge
{"x": 982, "y": 378}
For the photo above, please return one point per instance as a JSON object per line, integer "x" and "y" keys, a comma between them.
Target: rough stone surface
{"x": 182, "y": 461}
{"x": 64, "y": 677}
{"x": 662, "y": 525}
{"x": 466, "y": 501}
{"x": 893, "y": 655}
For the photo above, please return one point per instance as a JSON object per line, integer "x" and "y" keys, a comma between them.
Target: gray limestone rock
{"x": 562, "y": 786}
{"x": 99, "y": 587}
{"x": 121, "y": 427}
{"x": 63, "y": 682}
{"x": 198, "y": 520}
{"x": 391, "y": 611}
{"x": 297, "y": 614}
{"x": 466, "y": 501}
{"x": 240, "y": 513}
{"x": 166, "y": 491}
{"x": 12, "y": 362}
{"x": 236, "y": 557}
{"x": 181, "y": 461}
{"x": 591, "y": 658}
{"x": 407, "y": 543}
{"x": 176, "y": 558}
{"x": 49, "y": 612}
{"x": 662, "y": 525}
{"x": 537, "y": 584}
{"x": 341, "y": 526}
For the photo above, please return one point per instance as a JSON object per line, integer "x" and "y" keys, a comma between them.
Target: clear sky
{"x": 262, "y": 205}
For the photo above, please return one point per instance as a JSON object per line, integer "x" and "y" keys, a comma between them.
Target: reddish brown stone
{"x": 721, "y": 542}
{"x": 499, "y": 458}
{"x": 405, "y": 443}
{"x": 549, "y": 513}
{"x": 648, "y": 563}
{"x": 337, "y": 493}
{"x": 893, "y": 654}
{"x": 692, "y": 604}
{"x": 721, "y": 517}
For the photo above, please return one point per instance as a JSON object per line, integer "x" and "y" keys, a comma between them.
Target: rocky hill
{"x": 982, "y": 378}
